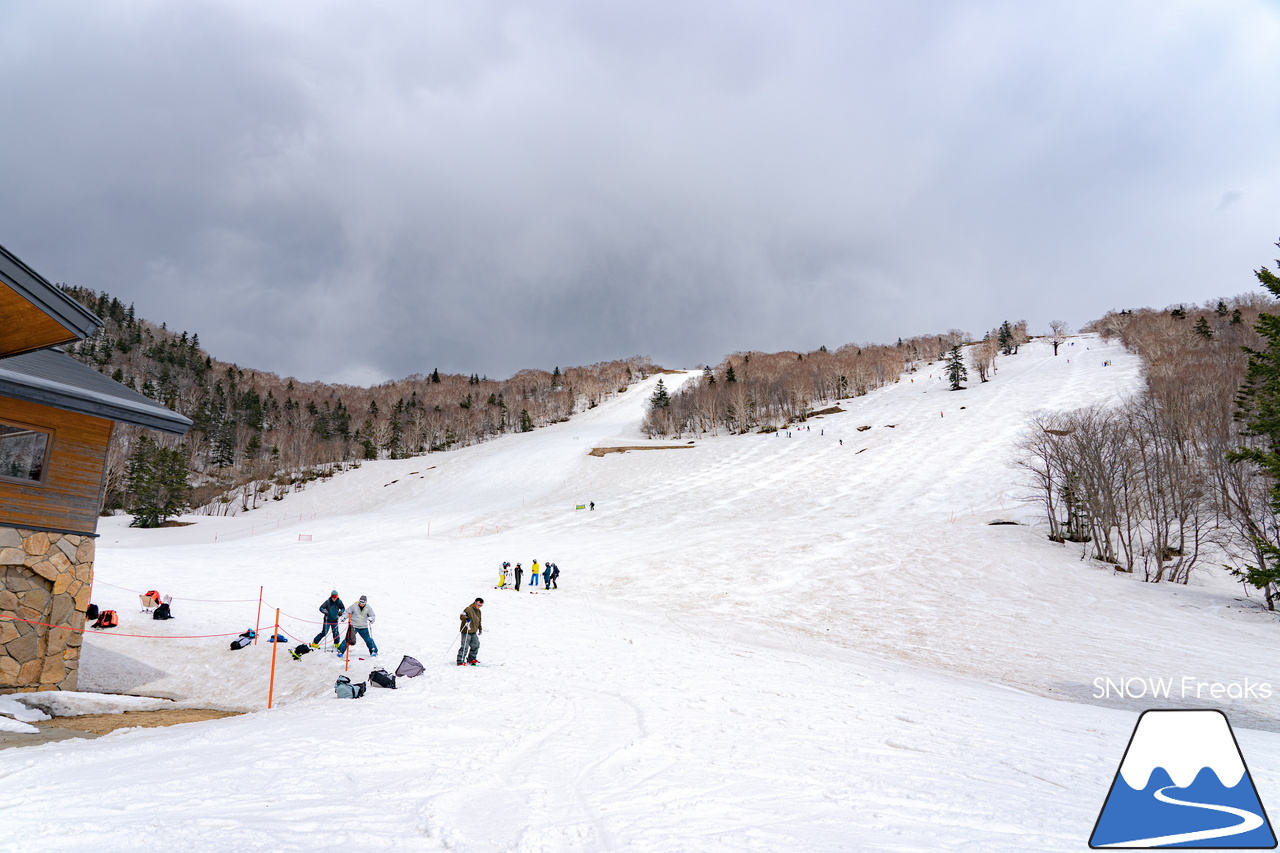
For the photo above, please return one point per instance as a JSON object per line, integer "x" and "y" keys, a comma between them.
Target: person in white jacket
{"x": 359, "y": 617}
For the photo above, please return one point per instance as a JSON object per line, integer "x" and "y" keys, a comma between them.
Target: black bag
{"x": 162, "y": 612}
{"x": 92, "y": 613}
{"x": 301, "y": 650}
{"x": 409, "y": 667}
{"x": 244, "y": 639}
{"x": 382, "y": 678}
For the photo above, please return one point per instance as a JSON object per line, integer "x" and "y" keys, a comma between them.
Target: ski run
{"x": 759, "y": 643}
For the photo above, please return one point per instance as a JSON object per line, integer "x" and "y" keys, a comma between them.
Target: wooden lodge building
{"x": 56, "y": 418}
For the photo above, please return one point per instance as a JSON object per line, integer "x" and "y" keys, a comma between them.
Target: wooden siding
{"x": 70, "y": 496}
{"x": 25, "y": 326}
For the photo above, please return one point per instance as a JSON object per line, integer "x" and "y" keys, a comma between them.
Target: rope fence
{"x": 260, "y": 602}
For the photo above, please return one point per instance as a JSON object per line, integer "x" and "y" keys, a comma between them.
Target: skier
{"x": 502, "y": 576}
{"x": 469, "y": 645}
{"x": 533, "y": 574}
{"x": 332, "y": 608}
{"x": 553, "y": 572}
{"x": 360, "y": 616}
{"x": 593, "y": 507}
{"x": 519, "y": 574}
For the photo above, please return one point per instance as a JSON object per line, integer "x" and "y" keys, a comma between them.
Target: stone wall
{"x": 44, "y": 578}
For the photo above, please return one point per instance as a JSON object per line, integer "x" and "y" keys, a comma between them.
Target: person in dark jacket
{"x": 519, "y": 574}
{"x": 469, "y": 646}
{"x": 552, "y": 572}
{"x": 332, "y": 608}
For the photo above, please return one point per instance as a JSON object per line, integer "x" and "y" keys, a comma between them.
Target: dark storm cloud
{"x": 362, "y": 191}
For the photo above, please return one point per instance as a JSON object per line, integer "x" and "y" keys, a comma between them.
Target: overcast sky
{"x": 358, "y": 191}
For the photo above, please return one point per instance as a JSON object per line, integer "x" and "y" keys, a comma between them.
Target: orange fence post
{"x": 275, "y": 636}
{"x": 257, "y": 621}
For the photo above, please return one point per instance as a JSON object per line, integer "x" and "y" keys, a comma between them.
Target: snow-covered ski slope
{"x": 760, "y": 643}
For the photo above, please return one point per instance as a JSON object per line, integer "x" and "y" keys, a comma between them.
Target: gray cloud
{"x": 362, "y": 192}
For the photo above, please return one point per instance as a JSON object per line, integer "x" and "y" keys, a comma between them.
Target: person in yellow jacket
{"x": 533, "y": 574}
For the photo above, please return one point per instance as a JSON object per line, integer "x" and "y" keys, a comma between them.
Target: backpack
{"x": 409, "y": 667}
{"x": 244, "y": 639}
{"x": 107, "y": 619}
{"x": 382, "y": 678}
{"x": 162, "y": 612}
{"x": 344, "y": 689}
{"x": 301, "y": 650}
{"x": 92, "y": 613}
{"x": 153, "y": 595}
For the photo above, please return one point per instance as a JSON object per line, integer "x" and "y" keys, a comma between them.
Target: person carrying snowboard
{"x": 332, "y": 608}
{"x": 533, "y": 574}
{"x": 360, "y": 617}
{"x": 469, "y": 645}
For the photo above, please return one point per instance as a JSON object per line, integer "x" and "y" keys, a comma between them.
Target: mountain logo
{"x": 1183, "y": 783}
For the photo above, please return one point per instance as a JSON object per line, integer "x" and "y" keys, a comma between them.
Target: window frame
{"x": 49, "y": 434}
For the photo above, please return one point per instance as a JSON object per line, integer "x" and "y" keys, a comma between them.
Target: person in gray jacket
{"x": 360, "y": 617}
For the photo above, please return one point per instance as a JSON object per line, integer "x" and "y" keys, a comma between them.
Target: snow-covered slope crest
{"x": 1183, "y": 743}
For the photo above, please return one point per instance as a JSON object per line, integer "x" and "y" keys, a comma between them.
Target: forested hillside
{"x": 765, "y": 391}
{"x": 257, "y": 434}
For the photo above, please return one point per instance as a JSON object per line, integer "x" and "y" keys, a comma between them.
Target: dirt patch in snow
{"x": 601, "y": 451}
{"x": 101, "y": 724}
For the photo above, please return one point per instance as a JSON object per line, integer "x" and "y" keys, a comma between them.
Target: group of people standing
{"x": 359, "y": 617}
{"x": 549, "y": 573}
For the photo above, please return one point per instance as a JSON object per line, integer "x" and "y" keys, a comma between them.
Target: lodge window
{"x": 24, "y": 452}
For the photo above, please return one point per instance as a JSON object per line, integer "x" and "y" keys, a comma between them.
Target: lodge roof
{"x": 53, "y": 378}
{"x": 37, "y": 314}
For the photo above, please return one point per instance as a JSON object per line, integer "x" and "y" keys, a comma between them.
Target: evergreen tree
{"x": 708, "y": 377}
{"x": 1202, "y": 329}
{"x": 729, "y": 377}
{"x": 1004, "y": 338}
{"x": 956, "y": 370}
{"x": 435, "y": 376}
{"x": 1258, "y": 405}
{"x": 158, "y": 487}
{"x": 660, "y": 399}
{"x": 526, "y": 422}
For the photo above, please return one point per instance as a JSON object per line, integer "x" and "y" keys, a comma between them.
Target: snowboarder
{"x": 553, "y": 572}
{"x": 519, "y": 574}
{"x": 360, "y": 617}
{"x": 533, "y": 574}
{"x": 470, "y": 628}
{"x": 332, "y": 608}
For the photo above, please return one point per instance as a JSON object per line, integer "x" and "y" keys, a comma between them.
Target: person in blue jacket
{"x": 332, "y": 608}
